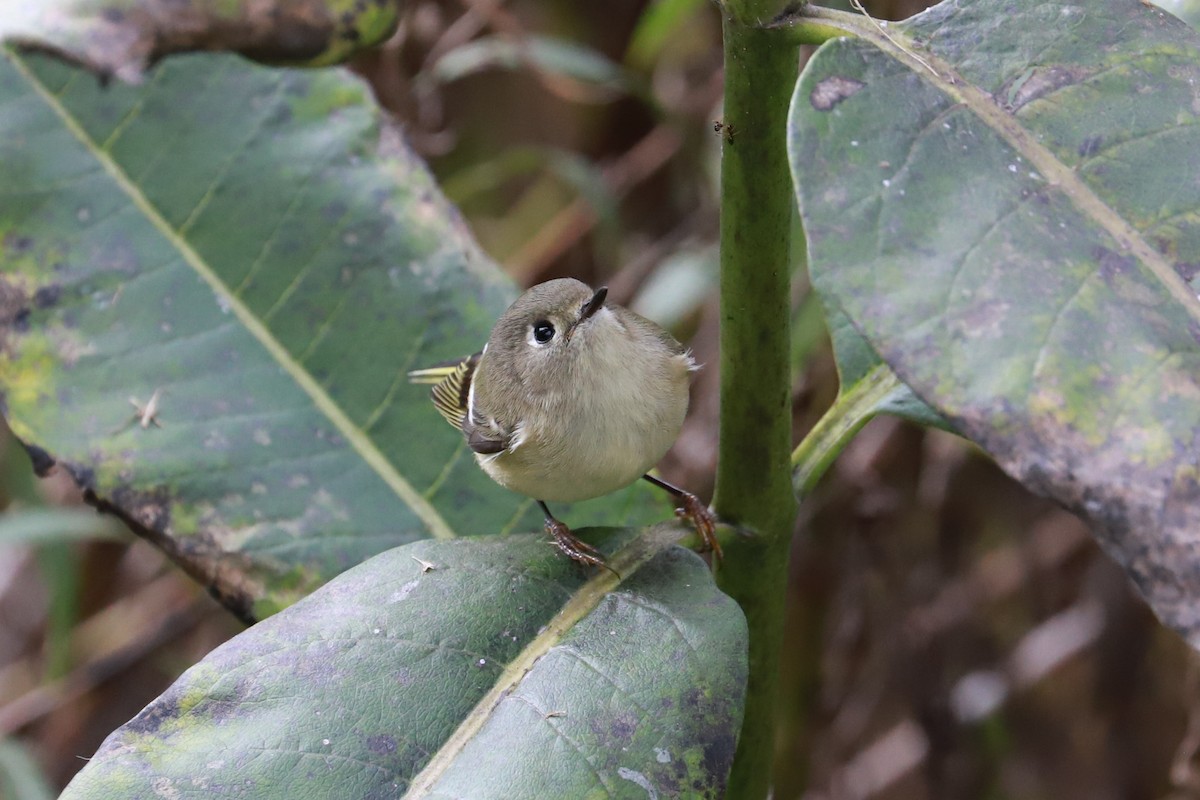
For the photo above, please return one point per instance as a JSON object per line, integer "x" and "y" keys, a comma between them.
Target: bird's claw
{"x": 703, "y": 520}
{"x": 577, "y": 549}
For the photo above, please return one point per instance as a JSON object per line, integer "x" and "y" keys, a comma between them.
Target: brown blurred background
{"x": 949, "y": 635}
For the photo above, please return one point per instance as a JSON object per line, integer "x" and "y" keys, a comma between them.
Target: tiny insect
{"x": 727, "y": 131}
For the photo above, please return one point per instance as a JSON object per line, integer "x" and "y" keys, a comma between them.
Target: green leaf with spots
{"x": 473, "y": 668}
{"x": 254, "y": 256}
{"x": 122, "y": 37}
{"x": 1011, "y": 222}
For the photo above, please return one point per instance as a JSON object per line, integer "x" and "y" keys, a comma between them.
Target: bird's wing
{"x": 451, "y": 396}
{"x": 486, "y": 437}
{"x": 451, "y": 386}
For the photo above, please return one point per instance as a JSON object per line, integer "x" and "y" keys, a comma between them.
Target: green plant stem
{"x": 753, "y": 470}
{"x": 854, "y": 407}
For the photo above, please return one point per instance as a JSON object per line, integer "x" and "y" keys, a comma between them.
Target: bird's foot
{"x": 575, "y": 547}
{"x": 703, "y": 520}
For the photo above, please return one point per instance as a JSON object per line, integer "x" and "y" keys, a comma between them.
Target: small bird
{"x": 571, "y": 398}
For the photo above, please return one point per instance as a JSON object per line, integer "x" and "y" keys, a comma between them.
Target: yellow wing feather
{"x": 451, "y": 386}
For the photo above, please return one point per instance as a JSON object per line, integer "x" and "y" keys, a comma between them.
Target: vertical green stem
{"x": 754, "y": 488}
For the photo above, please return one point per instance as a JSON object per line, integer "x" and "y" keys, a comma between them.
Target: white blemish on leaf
{"x": 163, "y": 787}
{"x": 404, "y": 591}
{"x": 636, "y": 777}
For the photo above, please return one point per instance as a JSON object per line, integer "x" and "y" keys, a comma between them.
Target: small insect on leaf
{"x": 147, "y": 415}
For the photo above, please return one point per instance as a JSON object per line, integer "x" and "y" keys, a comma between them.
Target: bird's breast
{"x": 607, "y": 429}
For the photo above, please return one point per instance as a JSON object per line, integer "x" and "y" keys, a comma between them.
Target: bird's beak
{"x": 589, "y": 309}
{"x": 595, "y": 304}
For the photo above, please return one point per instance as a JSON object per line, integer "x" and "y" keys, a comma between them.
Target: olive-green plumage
{"x": 571, "y": 398}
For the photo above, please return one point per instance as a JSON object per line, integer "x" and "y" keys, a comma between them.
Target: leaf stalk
{"x": 854, "y": 407}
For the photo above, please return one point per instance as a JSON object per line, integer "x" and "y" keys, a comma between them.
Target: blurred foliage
{"x": 1186, "y": 10}
{"x": 950, "y": 636}
{"x": 20, "y": 776}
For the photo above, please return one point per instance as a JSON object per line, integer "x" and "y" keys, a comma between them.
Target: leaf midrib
{"x": 353, "y": 434}
{"x": 625, "y": 562}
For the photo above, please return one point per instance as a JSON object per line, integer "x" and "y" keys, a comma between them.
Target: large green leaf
{"x": 474, "y": 668}
{"x": 1011, "y": 223}
{"x": 261, "y": 251}
{"x": 121, "y": 37}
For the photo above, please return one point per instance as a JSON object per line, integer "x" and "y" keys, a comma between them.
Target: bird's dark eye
{"x": 543, "y": 331}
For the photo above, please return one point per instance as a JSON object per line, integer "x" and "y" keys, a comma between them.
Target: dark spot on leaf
{"x": 719, "y": 748}
{"x": 14, "y": 311}
{"x": 623, "y": 727}
{"x": 334, "y": 211}
{"x": 84, "y": 477}
{"x": 16, "y": 245}
{"x": 150, "y": 509}
{"x": 1090, "y": 146}
{"x": 381, "y": 744}
{"x": 1037, "y": 82}
{"x": 833, "y": 90}
{"x": 151, "y": 718}
{"x": 227, "y": 704}
{"x": 1112, "y": 264}
{"x": 42, "y": 461}
{"x": 1188, "y": 271}
{"x": 47, "y": 296}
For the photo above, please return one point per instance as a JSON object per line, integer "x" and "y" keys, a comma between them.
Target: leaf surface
{"x": 1011, "y": 223}
{"x": 457, "y": 669}
{"x": 255, "y": 254}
